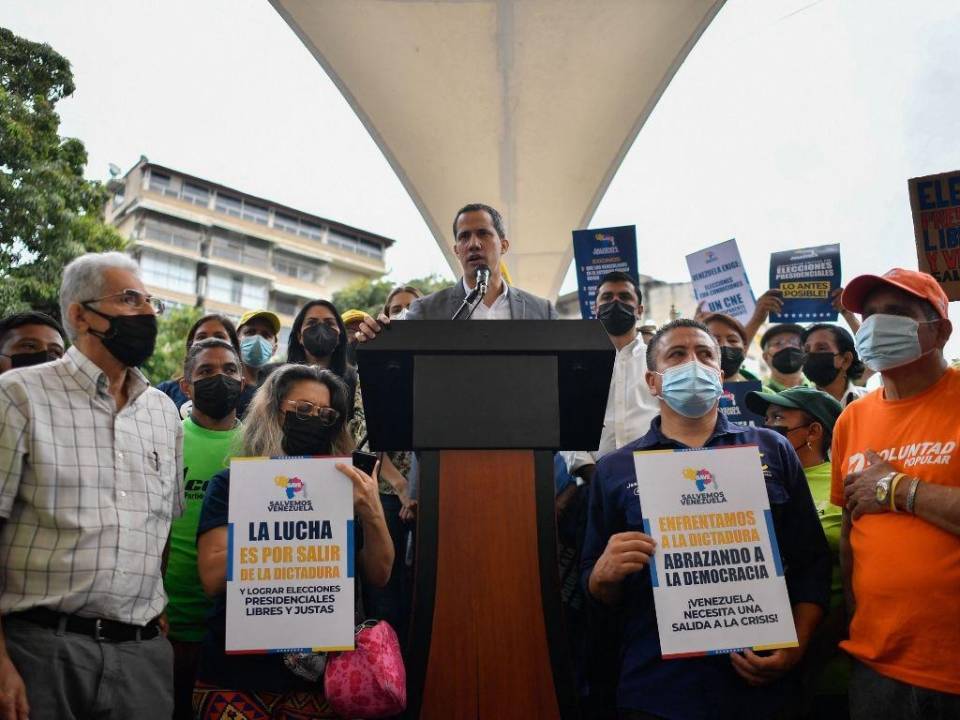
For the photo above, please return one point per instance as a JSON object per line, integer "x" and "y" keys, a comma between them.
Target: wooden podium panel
{"x": 495, "y": 646}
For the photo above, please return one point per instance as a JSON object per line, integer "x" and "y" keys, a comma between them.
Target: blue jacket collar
{"x": 655, "y": 436}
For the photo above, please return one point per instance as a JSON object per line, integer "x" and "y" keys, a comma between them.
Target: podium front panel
{"x": 478, "y": 402}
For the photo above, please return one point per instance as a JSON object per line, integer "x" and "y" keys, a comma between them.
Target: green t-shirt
{"x": 833, "y": 678}
{"x": 205, "y": 453}
{"x": 775, "y": 386}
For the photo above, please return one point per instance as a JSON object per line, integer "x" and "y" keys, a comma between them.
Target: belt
{"x": 99, "y": 629}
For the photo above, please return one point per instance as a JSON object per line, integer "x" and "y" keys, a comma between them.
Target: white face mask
{"x": 888, "y": 341}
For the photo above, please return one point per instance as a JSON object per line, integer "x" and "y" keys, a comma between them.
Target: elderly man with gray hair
{"x": 91, "y": 477}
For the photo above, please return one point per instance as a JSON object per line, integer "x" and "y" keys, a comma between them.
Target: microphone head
{"x": 482, "y": 274}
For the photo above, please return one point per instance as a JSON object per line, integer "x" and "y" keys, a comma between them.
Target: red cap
{"x": 919, "y": 284}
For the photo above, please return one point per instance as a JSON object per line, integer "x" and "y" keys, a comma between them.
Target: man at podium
{"x": 482, "y": 293}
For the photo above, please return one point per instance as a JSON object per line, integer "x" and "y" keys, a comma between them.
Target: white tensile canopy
{"x": 526, "y": 105}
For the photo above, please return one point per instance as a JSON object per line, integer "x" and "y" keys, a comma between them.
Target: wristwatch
{"x": 883, "y": 488}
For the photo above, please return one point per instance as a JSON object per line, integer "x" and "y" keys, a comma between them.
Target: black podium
{"x": 486, "y": 403}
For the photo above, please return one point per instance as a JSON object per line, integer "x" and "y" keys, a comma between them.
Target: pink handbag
{"x": 369, "y": 682}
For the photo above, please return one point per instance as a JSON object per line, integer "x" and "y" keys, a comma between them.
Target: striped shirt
{"x": 87, "y": 493}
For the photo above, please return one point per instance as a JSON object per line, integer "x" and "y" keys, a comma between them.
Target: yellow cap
{"x": 353, "y": 315}
{"x": 265, "y": 314}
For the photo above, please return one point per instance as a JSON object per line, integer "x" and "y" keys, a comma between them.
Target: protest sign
{"x": 597, "y": 252}
{"x": 720, "y": 280}
{"x": 806, "y": 278}
{"x": 733, "y": 403}
{"x": 290, "y": 557}
{"x": 935, "y": 202}
{"x": 717, "y": 577}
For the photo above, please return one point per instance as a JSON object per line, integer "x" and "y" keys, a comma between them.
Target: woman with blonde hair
{"x": 299, "y": 410}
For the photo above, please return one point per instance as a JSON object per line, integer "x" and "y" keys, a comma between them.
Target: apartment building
{"x": 202, "y": 244}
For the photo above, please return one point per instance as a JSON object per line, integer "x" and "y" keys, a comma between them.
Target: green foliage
{"x": 48, "y": 213}
{"x": 166, "y": 362}
{"x": 369, "y": 295}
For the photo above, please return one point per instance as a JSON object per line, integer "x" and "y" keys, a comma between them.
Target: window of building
{"x": 295, "y": 267}
{"x": 172, "y": 234}
{"x": 255, "y": 213}
{"x": 285, "y": 304}
{"x": 311, "y": 230}
{"x": 168, "y": 272}
{"x": 370, "y": 249}
{"x": 229, "y": 205}
{"x": 287, "y": 223}
{"x": 196, "y": 194}
{"x": 161, "y": 183}
{"x": 244, "y": 290}
{"x": 228, "y": 248}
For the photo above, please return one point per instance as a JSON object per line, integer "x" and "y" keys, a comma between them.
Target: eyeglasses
{"x": 780, "y": 343}
{"x": 304, "y": 409}
{"x": 134, "y": 299}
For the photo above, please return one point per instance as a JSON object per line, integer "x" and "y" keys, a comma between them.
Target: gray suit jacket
{"x": 443, "y": 304}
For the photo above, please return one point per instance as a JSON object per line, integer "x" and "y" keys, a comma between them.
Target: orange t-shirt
{"x": 906, "y": 571}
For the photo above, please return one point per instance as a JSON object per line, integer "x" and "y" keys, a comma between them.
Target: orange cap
{"x": 919, "y": 284}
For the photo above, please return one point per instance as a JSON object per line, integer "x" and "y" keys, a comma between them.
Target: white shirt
{"x": 500, "y": 310}
{"x": 88, "y": 493}
{"x": 630, "y": 406}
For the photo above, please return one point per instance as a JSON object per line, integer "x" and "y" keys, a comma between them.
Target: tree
{"x": 49, "y": 214}
{"x": 171, "y": 349}
{"x": 369, "y": 295}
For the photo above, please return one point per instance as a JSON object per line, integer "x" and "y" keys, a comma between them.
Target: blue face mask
{"x": 255, "y": 351}
{"x": 691, "y": 389}
{"x": 888, "y": 341}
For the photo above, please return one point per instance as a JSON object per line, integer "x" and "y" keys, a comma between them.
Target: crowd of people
{"x": 114, "y": 496}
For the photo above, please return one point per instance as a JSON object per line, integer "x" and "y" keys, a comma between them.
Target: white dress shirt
{"x": 500, "y": 310}
{"x": 630, "y": 406}
{"x": 88, "y": 493}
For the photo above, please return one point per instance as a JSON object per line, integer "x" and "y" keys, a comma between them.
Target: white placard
{"x": 717, "y": 576}
{"x": 290, "y": 563}
{"x": 720, "y": 280}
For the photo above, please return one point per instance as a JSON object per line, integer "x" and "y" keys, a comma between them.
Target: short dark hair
{"x": 496, "y": 217}
{"x": 201, "y": 345}
{"x": 31, "y": 317}
{"x": 780, "y": 329}
{"x": 672, "y": 325}
{"x": 619, "y": 276}
{"x": 845, "y": 343}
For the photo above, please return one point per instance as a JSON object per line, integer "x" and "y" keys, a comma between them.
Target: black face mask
{"x": 216, "y": 396}
{"x": 731, "y": 358}
{"x": 306, "y": 436}
{"x": 819, "y": 368}
{"x": 617, "y": 317}
{"x": 320, "y": 340}
{"x": 130, "y": 338}
{"x": 27, "y": 359}
{"x": 788, "y": 360}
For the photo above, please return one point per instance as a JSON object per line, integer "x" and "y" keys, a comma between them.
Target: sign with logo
{"x": 720, "y": 281}
{"x": 717, "y": 577}
{"x": 290, "y": 557}
{"x": 806, "y": 278}
{"x": 597, "y": 252}
{"x": 733, "y": 403}
{"x": 935, "y": 202}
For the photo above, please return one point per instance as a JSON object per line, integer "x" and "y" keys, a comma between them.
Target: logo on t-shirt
{"x": 909, "y": 455}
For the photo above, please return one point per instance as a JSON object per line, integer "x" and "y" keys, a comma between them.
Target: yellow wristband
{"x": 893, "y": 491}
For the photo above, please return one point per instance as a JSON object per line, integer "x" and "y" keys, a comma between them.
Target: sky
{"x": 792, "y": 123}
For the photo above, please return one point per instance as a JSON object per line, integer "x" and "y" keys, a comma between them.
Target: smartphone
{"x": 364, "y": 460}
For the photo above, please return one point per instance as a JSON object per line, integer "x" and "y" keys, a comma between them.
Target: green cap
{"x": 815, "y": 403}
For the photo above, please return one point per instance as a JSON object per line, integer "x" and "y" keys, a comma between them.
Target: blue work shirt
{"x": 703, "y": 687}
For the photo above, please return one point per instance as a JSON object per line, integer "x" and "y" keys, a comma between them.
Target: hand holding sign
{"x": 626, "y": 553}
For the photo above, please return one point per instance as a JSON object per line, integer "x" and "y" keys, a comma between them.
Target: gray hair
{"x": 262, "y": 430}
{"x": 83, "y": 279}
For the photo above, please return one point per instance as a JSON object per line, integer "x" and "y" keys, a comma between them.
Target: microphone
{"x": 483, "y": 279}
